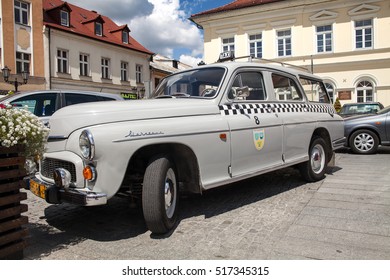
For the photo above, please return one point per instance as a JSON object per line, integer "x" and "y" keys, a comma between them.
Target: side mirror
{"x": 242, "y": 92}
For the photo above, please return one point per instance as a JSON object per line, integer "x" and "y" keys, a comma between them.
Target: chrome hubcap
{"x": 363, "y": 142}
{"x": 170, "y": 193}
{"x": 317, "y": 159}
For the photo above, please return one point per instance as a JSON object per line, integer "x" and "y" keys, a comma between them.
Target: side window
{"x": 38, "y": 104}
{"x": 285, "y": 88}
{"x": 248, "y": 86}
{"x": 74, "y": 98}
{"x": 315, "y": 90}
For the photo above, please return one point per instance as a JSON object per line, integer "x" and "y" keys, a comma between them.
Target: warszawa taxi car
{"x": 202, "y": 128}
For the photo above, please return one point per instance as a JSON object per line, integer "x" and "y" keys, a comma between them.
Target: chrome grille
{"x": 50, "y": 164}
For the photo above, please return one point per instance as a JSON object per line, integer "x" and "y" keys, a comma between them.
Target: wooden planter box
{"x": 12, "y": 233}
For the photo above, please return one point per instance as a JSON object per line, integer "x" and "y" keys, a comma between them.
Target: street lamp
{"x": 6, "y": 74}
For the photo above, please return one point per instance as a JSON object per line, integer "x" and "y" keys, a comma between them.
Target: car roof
{"x": 233, "y": 65}
{"x": 362, "y": 103}
{"x": 26, "y": 93}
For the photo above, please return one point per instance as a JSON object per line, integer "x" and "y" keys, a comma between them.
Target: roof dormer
{"x": 96, "y": 23}
{"x": 121, "y": 33}
{"x": 60, "y": 14}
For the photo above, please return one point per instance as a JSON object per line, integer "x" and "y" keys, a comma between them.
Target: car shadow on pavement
{"x": 233, "y": 196}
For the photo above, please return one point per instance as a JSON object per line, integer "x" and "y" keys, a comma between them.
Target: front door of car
{"x": 255, "y": 129}
{"x": 41, "y": 104}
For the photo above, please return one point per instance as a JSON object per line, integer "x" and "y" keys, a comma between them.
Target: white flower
{"x": 20, "y": 126}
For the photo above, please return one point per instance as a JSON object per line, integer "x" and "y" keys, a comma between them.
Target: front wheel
{"x": 364, "y": 142}
{"x": 160, "y": 196}
{"x": 314, "y": 169}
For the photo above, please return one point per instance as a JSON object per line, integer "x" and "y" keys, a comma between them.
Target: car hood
{"x": 360, "y": 117}
{"x": 68, "y": 119}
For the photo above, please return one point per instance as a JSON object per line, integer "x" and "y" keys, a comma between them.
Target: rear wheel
{"x": 160, "y": 196}
{"x": 314, "y": 169}
{"x": 364, "y": 142}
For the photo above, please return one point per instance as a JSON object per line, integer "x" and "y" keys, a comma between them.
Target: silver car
{"x": 203, "y": 128}
{"x": 365, "y": 133}
{"x": 44, "y": 103}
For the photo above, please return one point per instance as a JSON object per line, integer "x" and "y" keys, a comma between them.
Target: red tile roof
{"x": 79, "y": 19}
{"x": 237, "y": 4}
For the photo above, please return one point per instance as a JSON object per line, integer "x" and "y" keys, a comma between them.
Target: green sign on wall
{"x": 126, "y": 95}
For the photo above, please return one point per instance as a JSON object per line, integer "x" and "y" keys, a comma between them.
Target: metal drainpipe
{"x": 49, "y": 37}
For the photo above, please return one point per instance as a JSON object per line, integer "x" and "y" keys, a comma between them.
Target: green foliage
{"x": 337, "y": 105}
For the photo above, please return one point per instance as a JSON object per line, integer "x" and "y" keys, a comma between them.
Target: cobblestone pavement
{"x": 273, "y": 216}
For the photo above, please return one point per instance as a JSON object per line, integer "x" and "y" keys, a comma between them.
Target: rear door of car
{"x": 72, "y": 98}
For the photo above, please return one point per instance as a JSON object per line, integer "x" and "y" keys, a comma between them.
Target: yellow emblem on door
{"x": 259, "y": 138}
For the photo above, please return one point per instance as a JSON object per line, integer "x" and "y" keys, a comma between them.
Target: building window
{"x": 22, "y": 62}
{"x": 284, "y": 42}
{"x": 98, "y": 29}
{"x": 228, "y": 45}
{"x": 125, "y": 37}
{"x": 138, "y": 73}
{"x": 62, "y": 61}
{"x": 324, "y": 38}
{"x": 256, "y": 45}
{"x": 21, "y": 10}
{"x": 363, "y": 34}
{"x": 84, "y": 65}
{"x": 64, "y": 18}
{"x": 105, "y": 68}
{"x": 124, "y": 67}
{"x": 365, "y": 92}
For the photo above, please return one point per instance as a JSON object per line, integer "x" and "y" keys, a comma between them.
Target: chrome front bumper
{"x": 54, "y": 194}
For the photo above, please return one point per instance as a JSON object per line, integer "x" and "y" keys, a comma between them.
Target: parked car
{"x": 44, "y": 103}
{"x": 365, "y": 133}
{"x": 204, "y": 128}
{"x": 351, "y": 109}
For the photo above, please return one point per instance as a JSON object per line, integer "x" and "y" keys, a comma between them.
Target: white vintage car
{"x": 202, "y": 128}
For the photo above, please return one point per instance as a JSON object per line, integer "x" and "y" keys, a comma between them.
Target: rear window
{"x": 360, "y": 109}
{"x": 315, "y": 90}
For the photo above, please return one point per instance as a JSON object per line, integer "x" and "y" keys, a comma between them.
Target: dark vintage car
{"x": 366, "y": 132}
{"x": 353, "y": 109}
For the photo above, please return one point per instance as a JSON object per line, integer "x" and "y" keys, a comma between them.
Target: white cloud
{"x": 166, "y": 29}
{"x": 190, "y": 60}
{"x": 160, "y": 25}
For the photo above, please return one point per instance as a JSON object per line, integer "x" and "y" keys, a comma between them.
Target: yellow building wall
{"x": 344, "y": 66}
{"x": 29, "y": 38}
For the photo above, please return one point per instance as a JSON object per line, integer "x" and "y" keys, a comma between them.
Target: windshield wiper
{"x": 174, "y": 95}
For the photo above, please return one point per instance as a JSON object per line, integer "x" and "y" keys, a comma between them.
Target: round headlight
{"x": 87, "y": 144}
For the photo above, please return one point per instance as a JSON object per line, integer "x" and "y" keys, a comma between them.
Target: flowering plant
{"x": 20, "y": 126}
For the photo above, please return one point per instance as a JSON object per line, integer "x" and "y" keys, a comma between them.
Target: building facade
{"x": 345, "y": 42}
{"x": 21, "y": 43}
{"x": 88, "y": 51}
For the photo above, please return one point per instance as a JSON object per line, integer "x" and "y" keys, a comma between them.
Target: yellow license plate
{"x": 37, "y": 189}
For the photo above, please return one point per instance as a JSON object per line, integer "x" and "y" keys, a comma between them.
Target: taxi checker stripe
{"x": 256, "y": 108}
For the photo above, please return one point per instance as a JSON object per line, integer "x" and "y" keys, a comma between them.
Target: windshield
{"x": 198, "y": 83}
{"x": 359, "y": 109}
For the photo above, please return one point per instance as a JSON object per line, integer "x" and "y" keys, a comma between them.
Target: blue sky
{"x": 160, "y": 25}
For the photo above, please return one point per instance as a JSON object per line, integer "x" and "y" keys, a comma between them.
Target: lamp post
{"x": 6, "y": 73}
